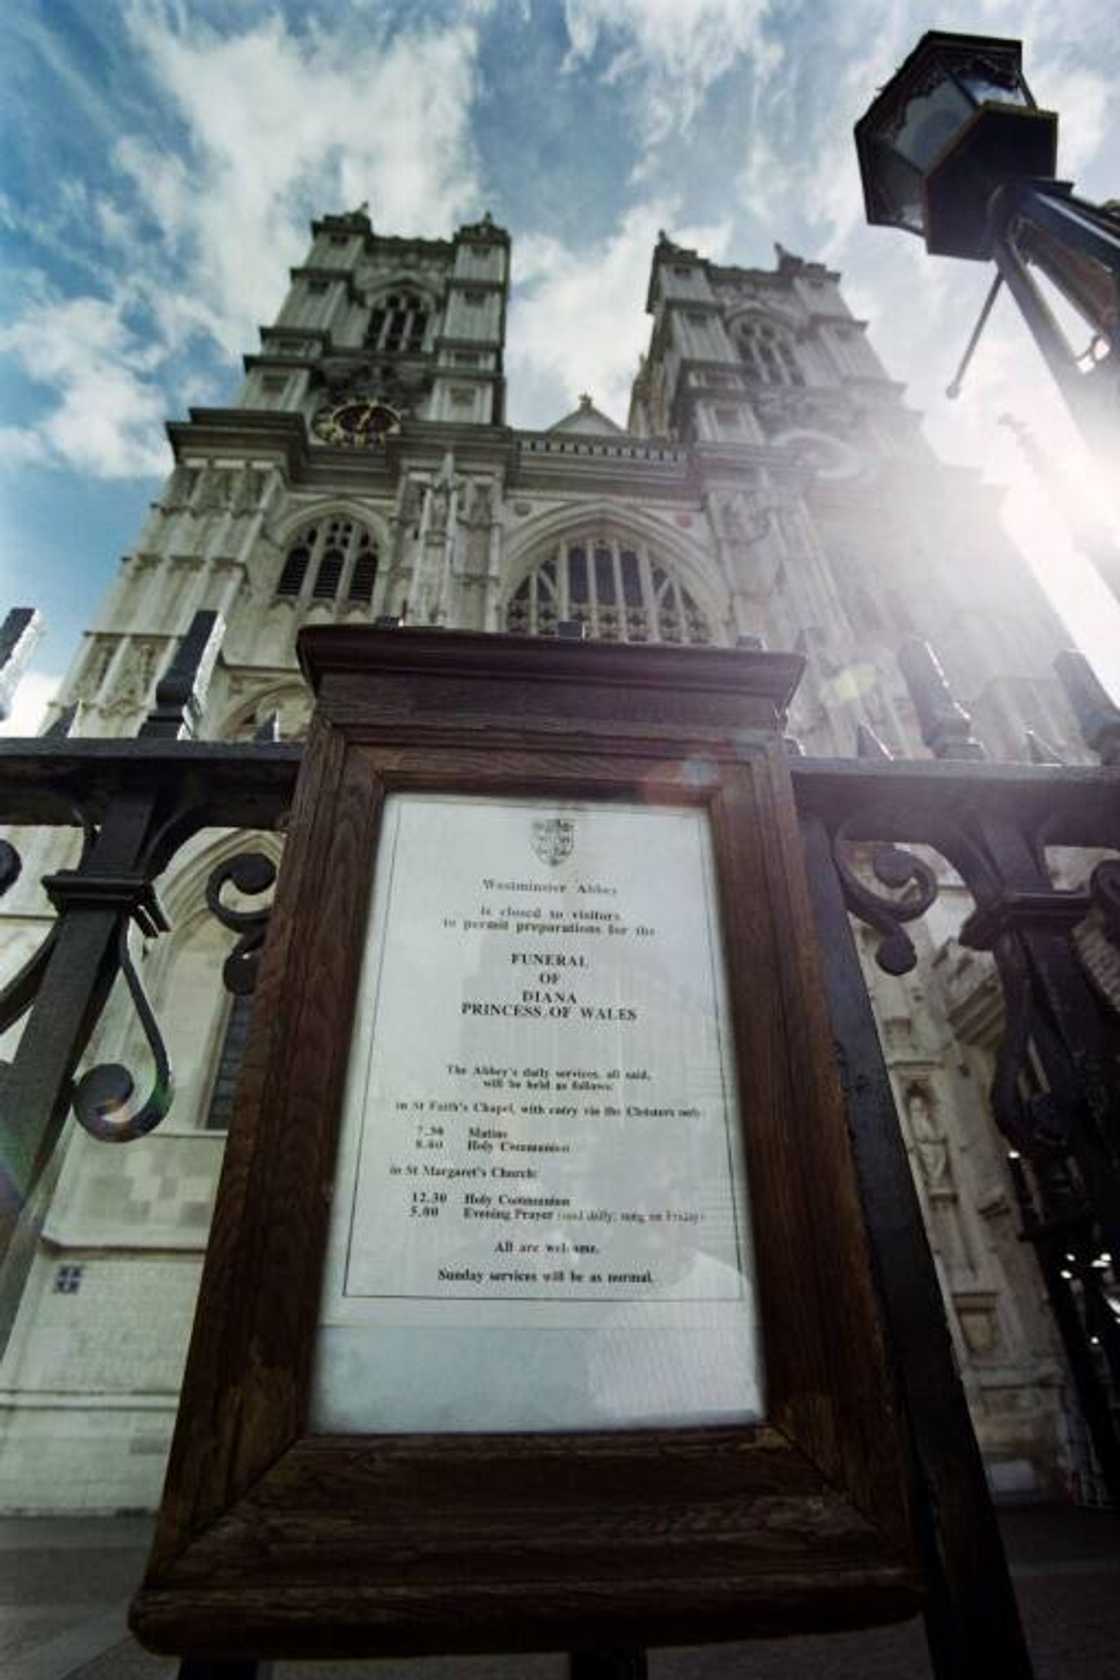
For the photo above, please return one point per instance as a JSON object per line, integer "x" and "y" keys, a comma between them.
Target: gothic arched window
{"x": 768, "y": 354}
{"x": 398, "y": 322}
{"x": 235, "y": 1035}
{"x": 616, "y": 588}
{"x": 330, "y": 558}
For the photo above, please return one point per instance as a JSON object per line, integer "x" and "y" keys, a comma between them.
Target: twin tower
{"x": 769, "y": 483}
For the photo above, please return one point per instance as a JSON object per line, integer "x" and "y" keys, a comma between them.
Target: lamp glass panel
{"x": 930, "y": 119}
{"x": 984, "y": 82}
{"x": 899, "y": 189}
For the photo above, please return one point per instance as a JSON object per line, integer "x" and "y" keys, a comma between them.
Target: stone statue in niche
{"x": 476, "y": 558}
{"x": 411, "y": 503}
{"x": 930, "y": 1142}
{"x": 747, "y": 524}
{"x": 761, "y": 509}
{"x": 731, "y": 519}
{"x": 480, "y": 507}
{"x": 439, "y": 497}
{"x": 430, "y": 583}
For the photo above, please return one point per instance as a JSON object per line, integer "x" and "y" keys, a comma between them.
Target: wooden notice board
{"x": 537, "y": 1309}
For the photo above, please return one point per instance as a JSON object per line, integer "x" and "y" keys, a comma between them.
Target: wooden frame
{"x": 272, "y": 1541}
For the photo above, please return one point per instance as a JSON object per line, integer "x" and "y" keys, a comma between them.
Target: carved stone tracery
{"x": 360, "y": 379}
{"x": 619, "y": 588}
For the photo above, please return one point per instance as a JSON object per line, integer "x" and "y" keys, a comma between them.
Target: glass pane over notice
{"x": 540, "y": 1217}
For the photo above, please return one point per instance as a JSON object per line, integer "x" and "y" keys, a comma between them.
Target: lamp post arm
{"x": 1044, "y": 328}
{"x": 1022, "y": 215}
{"x": 1081, "y": 226}
{"x": 1077, "y": 246}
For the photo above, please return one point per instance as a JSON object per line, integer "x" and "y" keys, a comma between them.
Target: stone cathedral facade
{"x": 769, "y": 483}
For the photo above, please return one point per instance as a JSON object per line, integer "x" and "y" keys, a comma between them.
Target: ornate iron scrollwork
{"x": 1021, "y": 927}
{"x": 10, "y": 866}
{"x": 104, "y": 1090}
{"x": 17, "y": 996}
{"x": 1037, "y": 1123}
{"x": 251, "y": 873}
{"x": 898, "y": 869}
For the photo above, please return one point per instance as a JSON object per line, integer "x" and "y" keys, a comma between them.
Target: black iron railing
{"x": 1057, "y": 1072}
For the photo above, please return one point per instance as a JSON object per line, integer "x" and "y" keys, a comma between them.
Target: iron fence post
{"x": 972, "y": 1619}
{"x": 36, "y": 1089}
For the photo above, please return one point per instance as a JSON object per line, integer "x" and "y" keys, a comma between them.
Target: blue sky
{"x": 163, "y": 158}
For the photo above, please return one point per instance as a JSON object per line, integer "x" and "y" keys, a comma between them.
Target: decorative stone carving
{"x": 427, "y": 596}
{"x": 477, "y": 520}
{"x": 979, "y": 1324}
{"x": 930, "y": 1143}
{"x": 750, "y": 540}
{"x": 480, "y": 506}
{"x": 823, "y": 454}
{"x": 443, "y": 487}
{"x": 96, "y": 669}
{"x": 667, "y": 248}
{"x": 487, "y": 229}
{"x": 411, "y": 504}
{"x": 135, "y": 677}
{"x": 784, "y": 408}
{"x": 438, "y": 500}
{"x": 353, "y": 378}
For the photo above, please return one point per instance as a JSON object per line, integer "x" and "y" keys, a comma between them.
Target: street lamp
{"x": 955, "y": 149}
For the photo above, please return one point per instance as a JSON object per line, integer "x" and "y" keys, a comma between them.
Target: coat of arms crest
{"x": 553, "y": 838}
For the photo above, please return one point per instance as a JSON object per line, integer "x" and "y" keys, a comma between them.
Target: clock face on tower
{"x": 356, "y": 424}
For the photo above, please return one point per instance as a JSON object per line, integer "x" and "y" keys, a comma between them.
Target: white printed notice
{"x": 539, "y": 1217}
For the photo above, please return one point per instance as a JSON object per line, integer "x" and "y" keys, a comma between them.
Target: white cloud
{"x": 21, "y": 446}
{"x": 77, "y": 89}
{"x": 280, "y": 127}
{"x": 1086, "y": 100}
{"x": 107, "y": 413}
{"x": 32, "y": 697}
{"x": 669, "y": 51}
{"x": 577, "y": 321}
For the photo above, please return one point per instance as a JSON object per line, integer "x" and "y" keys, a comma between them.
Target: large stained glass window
{"x": 398, "y": 322}
{"x": 617, "y": 589}
{"x": 768, "y": 354}
{"x": 329, "y": 559}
